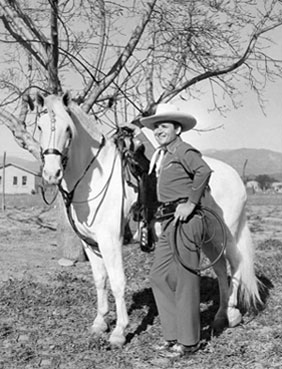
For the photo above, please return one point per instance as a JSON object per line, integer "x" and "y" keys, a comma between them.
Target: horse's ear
{"x": 40, "y": 99}
{"x": 66, "y": 98}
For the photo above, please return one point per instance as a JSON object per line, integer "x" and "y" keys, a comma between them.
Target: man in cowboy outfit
{"x": 182, "y": 183}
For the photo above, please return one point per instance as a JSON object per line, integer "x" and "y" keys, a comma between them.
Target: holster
{"x": 167, "y": 209}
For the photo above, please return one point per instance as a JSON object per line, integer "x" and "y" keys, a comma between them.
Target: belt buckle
{"x": 161, "y": 212}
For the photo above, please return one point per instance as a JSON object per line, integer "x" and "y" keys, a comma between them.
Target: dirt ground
{"x": 29, "y": 254}
{"x": 28, "y": 241}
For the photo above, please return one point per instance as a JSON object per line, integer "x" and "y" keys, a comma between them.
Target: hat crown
{"x": 164, "y": 108}
{"x": 165, "y": 112}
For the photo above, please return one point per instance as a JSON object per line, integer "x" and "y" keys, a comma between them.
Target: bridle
{"x": 67, "y": 196}
{"x": 53, "y": 150}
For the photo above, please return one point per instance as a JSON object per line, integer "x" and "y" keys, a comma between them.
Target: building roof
{"x": 29, "y": 166}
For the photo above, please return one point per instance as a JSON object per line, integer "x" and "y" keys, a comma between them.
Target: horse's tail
{"x": 249, "y": 290}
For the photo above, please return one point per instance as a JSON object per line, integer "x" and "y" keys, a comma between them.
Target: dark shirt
{"x": 183, "y": 173}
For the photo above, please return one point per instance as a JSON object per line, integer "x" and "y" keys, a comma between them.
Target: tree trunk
{"x": 69, "y": 244}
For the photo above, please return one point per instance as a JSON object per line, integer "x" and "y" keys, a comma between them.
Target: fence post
{"x": 3, "y": 183}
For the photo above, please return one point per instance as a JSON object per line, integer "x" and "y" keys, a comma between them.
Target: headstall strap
{"x": 53, "y": 121}
{"x": 53, "y": 151}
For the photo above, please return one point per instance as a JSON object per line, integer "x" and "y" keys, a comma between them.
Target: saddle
{"x": 136, "y": 165}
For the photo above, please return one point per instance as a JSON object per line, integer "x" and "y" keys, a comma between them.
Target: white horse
{"x": 88, "y": 169}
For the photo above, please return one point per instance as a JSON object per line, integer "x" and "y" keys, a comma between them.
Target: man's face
{"x": 166, "y": 132}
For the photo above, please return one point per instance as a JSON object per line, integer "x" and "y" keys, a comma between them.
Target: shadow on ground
{"x": 209, "y": 306}
{"x": 209, "y": 300}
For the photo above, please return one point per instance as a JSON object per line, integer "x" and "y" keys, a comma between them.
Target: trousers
{"x": 176, "y": 289}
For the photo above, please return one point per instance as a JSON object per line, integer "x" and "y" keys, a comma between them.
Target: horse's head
{"x": 55, "y": 126}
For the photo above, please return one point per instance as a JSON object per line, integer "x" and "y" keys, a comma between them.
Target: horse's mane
{"x": 87, "y": 121}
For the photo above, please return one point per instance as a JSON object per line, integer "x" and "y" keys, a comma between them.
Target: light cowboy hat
{"x": 169, "y": 113}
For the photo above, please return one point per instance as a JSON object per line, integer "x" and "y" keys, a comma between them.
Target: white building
{"x": 277, "y": 187}
{"x": 21, "y": 176}
{"x": 253, "y": 186}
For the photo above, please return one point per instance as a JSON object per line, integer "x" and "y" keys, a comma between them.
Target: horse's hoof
{"x": 117, "y": 341}
{"x": 98, "y": 329}
{"x": 219, "y": 324}
{"x": 234, "y": 317}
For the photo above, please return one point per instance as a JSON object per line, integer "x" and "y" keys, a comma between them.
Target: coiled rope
{"x": 177, "y": 228}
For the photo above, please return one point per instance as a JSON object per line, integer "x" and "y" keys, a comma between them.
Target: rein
{"x": 68, "y": 198}
{"x": 49, "y": 203}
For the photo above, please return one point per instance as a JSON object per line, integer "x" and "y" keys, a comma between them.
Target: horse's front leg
{"x": 100, "y": 279}
{"x": 112, "y": 256}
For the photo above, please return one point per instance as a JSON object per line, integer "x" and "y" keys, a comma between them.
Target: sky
{"x": 246, "y": 127}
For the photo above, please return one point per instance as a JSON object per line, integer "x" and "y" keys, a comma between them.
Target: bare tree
{"x": 121, "y": 54}
{"x": 120, "y": 58}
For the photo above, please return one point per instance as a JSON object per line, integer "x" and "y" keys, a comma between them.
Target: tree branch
{"x": 168, "y": 95}
{"x": 22, "y": 136}
{"x": 53, "y": 52}
{"x": 23, "y": 30}
{"x": 122, "y": 60}
{"x": 22, "y": 41}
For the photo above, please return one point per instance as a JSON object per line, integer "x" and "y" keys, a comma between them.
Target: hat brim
{"x": 186, "y": 121}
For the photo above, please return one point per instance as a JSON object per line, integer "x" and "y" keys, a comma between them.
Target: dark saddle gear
{"x": 136, "y": 165}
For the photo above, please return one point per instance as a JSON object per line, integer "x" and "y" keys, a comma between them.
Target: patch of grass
{"x": 41, "y": 323}
{"x": 259, "y": 199}
{"x": 22, "y": 201}
{"x": 269, "y": 258}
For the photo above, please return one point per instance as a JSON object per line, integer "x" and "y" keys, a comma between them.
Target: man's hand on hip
{"x": 183, "y": 211}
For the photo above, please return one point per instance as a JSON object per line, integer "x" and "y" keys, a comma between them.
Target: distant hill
{"x": 259, "y": 161}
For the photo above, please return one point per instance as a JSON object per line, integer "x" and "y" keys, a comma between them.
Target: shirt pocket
{"x": 173, "y": 166}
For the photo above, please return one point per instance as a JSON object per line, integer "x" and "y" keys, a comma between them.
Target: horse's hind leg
{"x": 220, "y": 268}
{"x": 233, "y": 313}
{"x": 100, "y": 278}
{"x": 237, "y": 262}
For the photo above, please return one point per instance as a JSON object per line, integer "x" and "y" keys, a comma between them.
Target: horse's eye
{"x": 69, "y": 131}
{"x": 39, "y": 128}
